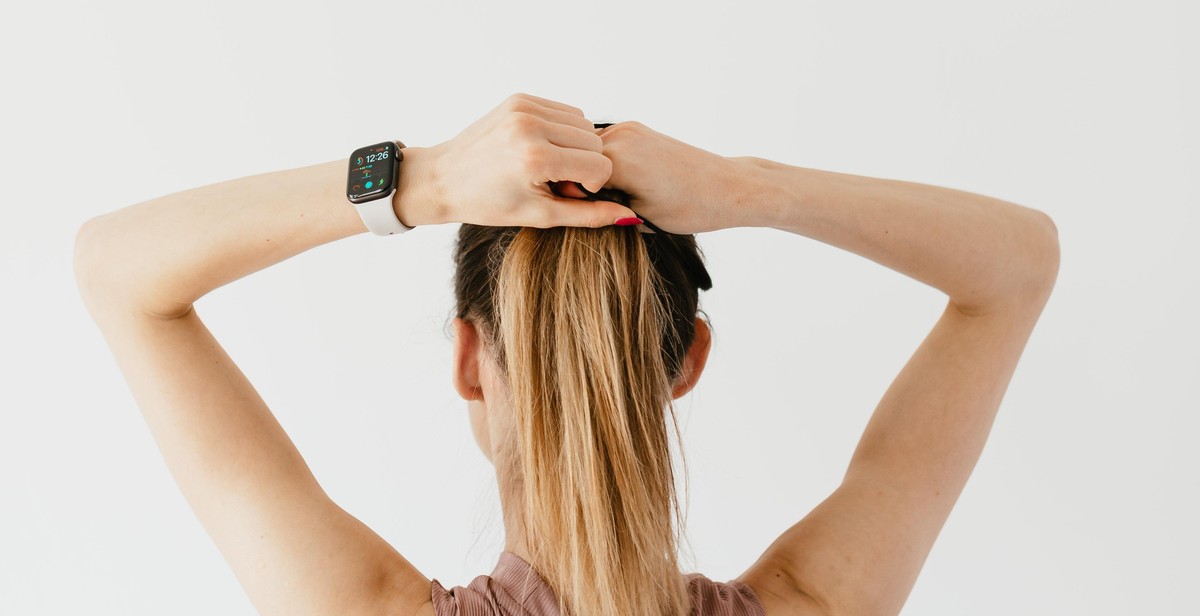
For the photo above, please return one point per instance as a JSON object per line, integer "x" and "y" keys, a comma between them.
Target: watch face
{"x": 372, "y": 170}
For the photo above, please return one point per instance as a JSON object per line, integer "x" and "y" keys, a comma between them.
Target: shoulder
{"x": 776, "y": 594}
{"x": 713, "y": 598}
{"x": 502, "y": 593}
{"x": 475, "y": 598}
{"x": 485, "y": 597}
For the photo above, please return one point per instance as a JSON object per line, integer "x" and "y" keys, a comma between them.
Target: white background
{"x": 1085, "y": 498}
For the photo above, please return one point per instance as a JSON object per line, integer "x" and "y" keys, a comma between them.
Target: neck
{"x": 513, "y": 509}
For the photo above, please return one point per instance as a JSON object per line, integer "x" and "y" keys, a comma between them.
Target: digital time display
{"x": 371, "y": 171}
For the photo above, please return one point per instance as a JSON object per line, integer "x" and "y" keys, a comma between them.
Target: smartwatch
{"x": 372, "y": 182}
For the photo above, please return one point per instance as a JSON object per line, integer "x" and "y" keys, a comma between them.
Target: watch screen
{"x": 371, "y": 171}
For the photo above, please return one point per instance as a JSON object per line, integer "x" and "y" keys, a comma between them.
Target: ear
{"x": 466, "y": 360}
{"x": 694, "y": 361}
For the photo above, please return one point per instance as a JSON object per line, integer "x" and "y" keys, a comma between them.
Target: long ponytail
{"x": 589, "y": 327}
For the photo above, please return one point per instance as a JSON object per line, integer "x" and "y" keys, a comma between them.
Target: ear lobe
{"x": 695, "y": 360}
{"x": 466, "y": 363}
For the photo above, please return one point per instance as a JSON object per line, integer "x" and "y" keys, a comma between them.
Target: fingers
{"x": 571, "y": 137}
{"x": 574, "y": 153}
{"x": 576, "y": 216}
{"x": 548, "y": 103}
{"x": 559, "y": 113}
{"x": 562, "y": 117}
{"x": 552, "y": 163}
{"x": 557, "y": 212}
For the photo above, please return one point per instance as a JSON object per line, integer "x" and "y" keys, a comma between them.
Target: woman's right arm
{"x": 860, "y": 551}
{"x": 984, "y": 253}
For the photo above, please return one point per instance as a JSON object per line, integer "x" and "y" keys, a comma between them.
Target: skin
{"x": 140, "y": 270}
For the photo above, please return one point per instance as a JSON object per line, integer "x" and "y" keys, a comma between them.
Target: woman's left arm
{"x": 162, "y": 255}
{"x": 140, "y": 269}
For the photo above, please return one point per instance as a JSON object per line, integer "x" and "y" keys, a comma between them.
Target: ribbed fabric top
{"x": 515, "y": 589}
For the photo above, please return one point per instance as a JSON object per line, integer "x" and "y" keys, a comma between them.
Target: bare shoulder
{"x": 777, "y": 591}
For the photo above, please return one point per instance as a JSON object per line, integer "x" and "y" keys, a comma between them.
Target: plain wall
{"x": 1084, "y": 500}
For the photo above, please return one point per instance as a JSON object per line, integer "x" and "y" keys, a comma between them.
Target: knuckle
{"x": 613, "y": 149}
{"x": 636, "y": 128}
{"x": 522, "y": 104}
{"x": 623, "y": 130}
{"x": 520, "y": 122}
{"x": 532, "y": 157}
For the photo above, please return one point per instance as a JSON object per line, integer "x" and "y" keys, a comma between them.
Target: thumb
{"x": 594, "y": 214}
{"x": 615, "y": 211}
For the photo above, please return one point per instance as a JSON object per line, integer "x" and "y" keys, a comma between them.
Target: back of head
{"x": 590, "y": 328}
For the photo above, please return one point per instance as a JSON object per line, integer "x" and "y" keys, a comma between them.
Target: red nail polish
{"x": 628, "y": 220}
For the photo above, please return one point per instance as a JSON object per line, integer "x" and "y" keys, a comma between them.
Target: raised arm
{"x": 860, "y": 551}
{"x": 141, "y": 268}
{"x": 984, "y": 253}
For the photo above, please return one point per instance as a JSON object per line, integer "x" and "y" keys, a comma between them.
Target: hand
{"x": 676, "y": 187}
{"x": 497, "y": 172}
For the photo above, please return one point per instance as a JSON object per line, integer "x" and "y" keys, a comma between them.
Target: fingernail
{"x": 628, "y": 220}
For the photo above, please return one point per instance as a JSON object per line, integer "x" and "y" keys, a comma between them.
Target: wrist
{"x": 417, "y": 200}
{"x": 755, "y": 192}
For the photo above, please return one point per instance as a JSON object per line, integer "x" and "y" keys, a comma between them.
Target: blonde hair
{"x": 589, "y": 328}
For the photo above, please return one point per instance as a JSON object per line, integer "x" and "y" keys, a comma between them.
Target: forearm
{"x": 164, "y": 254}
{"x": 982, "y": 252}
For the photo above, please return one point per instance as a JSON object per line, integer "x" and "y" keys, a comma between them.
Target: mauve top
{"x": 515, "y": 589}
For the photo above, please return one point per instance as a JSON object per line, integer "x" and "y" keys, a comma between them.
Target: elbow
{"x": 1051, "y": 253}
{"x": 1045, "y": 254}
{"x": 86, "y": 262}
{"x": 82, "y": 259}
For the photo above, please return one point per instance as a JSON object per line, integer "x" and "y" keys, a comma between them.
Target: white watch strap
{"x": 380, "y": 217}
